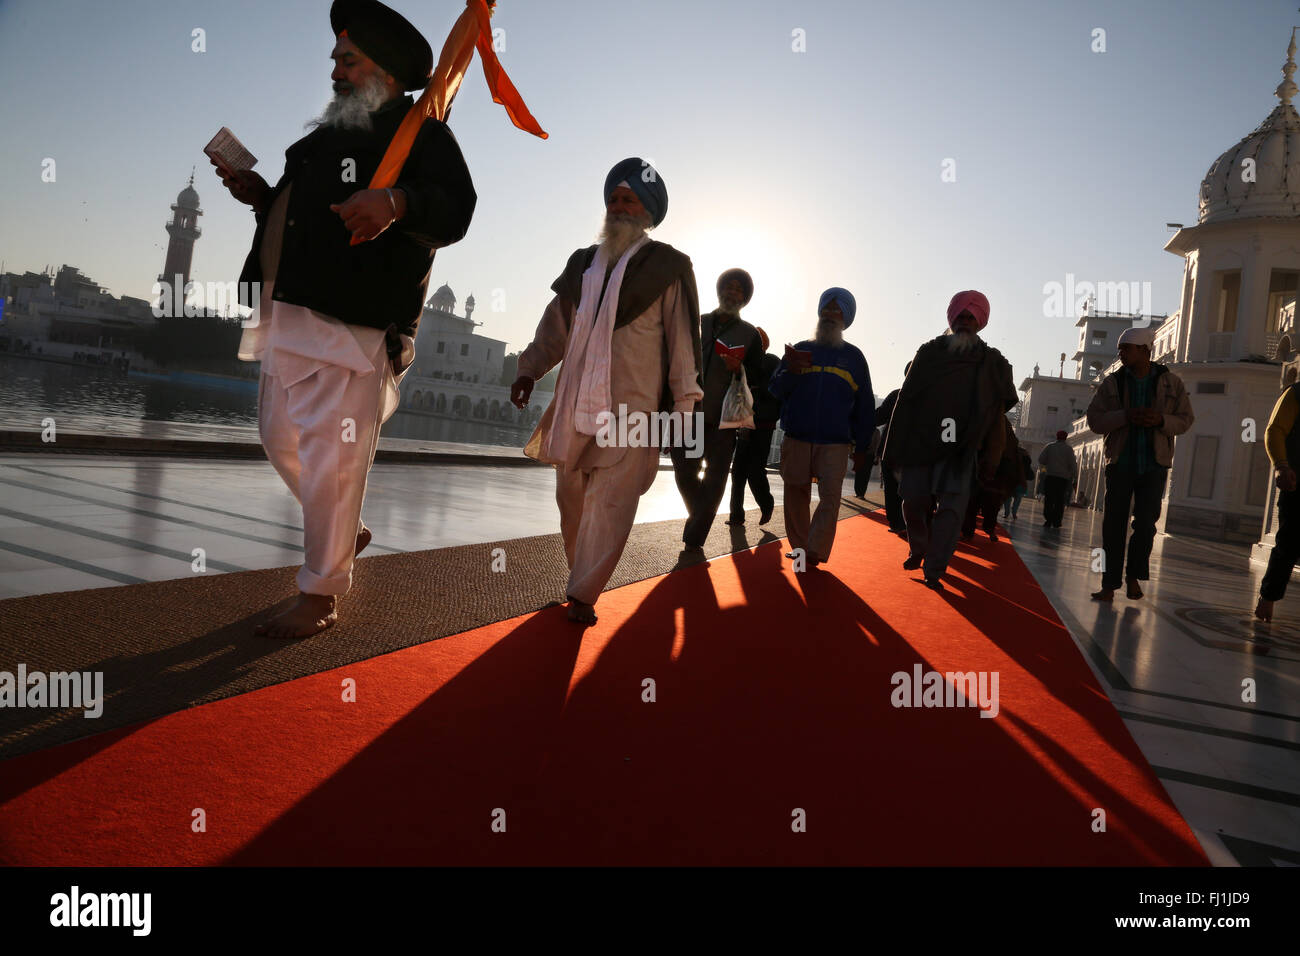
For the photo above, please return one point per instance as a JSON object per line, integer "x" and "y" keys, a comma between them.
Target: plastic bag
{"x": 738, "y": 403}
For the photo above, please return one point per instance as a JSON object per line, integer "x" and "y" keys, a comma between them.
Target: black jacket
{"x": 884, "y": 413}
{"x": 381, "y": 282}
{"x": 714, "y": 377}
{"x": 767, "y": 407}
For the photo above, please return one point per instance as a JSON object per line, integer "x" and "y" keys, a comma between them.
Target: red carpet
{"x": 772, "y": 704}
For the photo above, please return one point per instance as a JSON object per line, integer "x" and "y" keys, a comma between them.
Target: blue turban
{"x": 644, "y": 180}
{"x": 844, "y": 298}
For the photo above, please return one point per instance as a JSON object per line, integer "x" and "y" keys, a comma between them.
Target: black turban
{"x": 741, "y": 276}
{"x": 387, "y": 37}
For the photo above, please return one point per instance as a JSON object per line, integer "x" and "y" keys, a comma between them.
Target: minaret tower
{"x": 183, "y": 230}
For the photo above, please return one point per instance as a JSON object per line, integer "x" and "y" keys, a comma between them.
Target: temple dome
{"x": 1227, "y": 192}
{"x": 444, "y": 299}
{"x": 188, "y": 197}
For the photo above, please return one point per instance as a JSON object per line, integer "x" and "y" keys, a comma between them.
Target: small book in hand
{"x": 735, "y": 351}
{"x": 229, "y": 152}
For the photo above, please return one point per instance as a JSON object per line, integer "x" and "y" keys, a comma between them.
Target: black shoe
{"x": 913, "y": 562}
{"x": 766, "y": 516}
{"x": 934, "y": 584}
{"x": 736, "y": 519}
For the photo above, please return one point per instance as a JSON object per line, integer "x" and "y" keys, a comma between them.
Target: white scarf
{"x": 591, "y": 337}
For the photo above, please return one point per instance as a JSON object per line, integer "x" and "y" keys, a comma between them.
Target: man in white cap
{"x": 1139, "y": 408}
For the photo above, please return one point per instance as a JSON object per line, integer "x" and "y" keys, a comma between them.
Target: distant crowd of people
{"x": 948, "y": 453}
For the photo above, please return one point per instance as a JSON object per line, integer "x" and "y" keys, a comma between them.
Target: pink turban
{"x": 971, "y": 301}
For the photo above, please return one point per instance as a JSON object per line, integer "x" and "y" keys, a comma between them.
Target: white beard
{"x": 823, "y": 336}
{"x": 352, "y": 111}
{"x": 619, "y": 233}
{"x": 960, "y": 343}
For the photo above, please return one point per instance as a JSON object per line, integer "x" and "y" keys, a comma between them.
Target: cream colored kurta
{"x": 657, "y": 341}
{"x": 598, "y": 489}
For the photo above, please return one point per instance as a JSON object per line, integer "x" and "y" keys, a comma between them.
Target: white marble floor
{"x": 70, "y": 522}
{"x": 1210, "y": 695}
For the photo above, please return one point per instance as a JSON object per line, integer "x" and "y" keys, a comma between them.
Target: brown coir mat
{"x": 163, "y": 646}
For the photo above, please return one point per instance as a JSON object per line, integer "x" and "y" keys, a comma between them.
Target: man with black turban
{"x": 722, "y": 333}
{"x": 625, "y": 321}
{"x": 343, "y": 272}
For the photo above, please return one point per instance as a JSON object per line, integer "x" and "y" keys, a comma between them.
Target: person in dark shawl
{"x": 946, "y": 431}
{"x": 625, "y": 322}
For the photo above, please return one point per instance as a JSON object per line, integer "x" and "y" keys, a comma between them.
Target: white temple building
{"x": 457, "y": 372}
{"x": 1228, "y": 341}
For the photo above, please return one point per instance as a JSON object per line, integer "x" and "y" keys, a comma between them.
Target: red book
{"x": 736, "y": 352}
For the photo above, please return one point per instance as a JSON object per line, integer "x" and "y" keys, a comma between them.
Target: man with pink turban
{"x": 946, "y": 431}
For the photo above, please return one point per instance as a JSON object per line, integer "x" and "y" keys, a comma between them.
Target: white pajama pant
{"x": 597, "y": 510}
{"x": 320, "y": 433}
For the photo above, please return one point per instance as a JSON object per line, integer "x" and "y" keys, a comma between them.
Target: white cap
{"x": 1135, "y": 336}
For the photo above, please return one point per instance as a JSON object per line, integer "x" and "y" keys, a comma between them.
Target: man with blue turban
{"x": 828, "y": 409}
{"x": 947, "y": 432}
{"x": 625, "y": 322}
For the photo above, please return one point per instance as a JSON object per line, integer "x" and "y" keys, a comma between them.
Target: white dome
{"x": 1231, "y": 191}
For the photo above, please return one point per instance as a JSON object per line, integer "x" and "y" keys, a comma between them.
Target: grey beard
{"x": 959, "y": 343}
{"x": 729, "y": 308}
{"x": 619, "y": 233}
{"x": 353, "y": 110}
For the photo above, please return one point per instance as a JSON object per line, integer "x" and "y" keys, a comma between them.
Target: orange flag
{"x": 472, "y": 29}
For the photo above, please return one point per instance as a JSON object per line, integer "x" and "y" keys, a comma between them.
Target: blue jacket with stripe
{"x": 829, "y": 403}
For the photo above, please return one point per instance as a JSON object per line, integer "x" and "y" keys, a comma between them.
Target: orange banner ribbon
{"x": 473, "y": 29}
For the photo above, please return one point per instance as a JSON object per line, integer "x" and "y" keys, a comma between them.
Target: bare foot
{"x": 1264, "y": 610}
{"x": 310, "y": 614}
{"x": 1134, "y": 592}
{"x": 363, "y": 539}
{"x": 1105, "y": 594}
{"x": 581, "y": 612}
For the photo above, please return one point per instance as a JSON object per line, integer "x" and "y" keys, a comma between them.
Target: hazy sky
{"x": 810, "y": 169}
